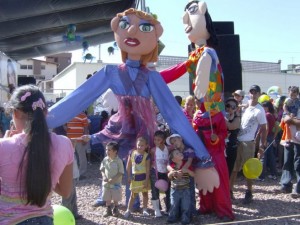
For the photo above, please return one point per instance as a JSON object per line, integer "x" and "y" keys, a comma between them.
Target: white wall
{"x": 266, "y": 80}
{"x": 73, "y": 76}
{"x": 64, "y": 83}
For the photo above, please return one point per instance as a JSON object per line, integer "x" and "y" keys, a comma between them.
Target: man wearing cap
{"x": 243, "y": 103}
{"x": 253, "y": 123}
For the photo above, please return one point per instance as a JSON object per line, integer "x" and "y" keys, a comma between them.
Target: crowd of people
{"x": 247, "y": 129}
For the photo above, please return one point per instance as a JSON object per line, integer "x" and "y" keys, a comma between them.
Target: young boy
{"x": 175, "y": 140}
{"x": 180, "y": 189}
{"x": 112, "y": 170}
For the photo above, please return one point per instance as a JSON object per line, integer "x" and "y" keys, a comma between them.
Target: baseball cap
{"x": 239, "y": 92}
{"x": 255, "y": 88}
{"x": 170, "y": 137}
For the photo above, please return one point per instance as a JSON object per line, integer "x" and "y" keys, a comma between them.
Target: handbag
{"x": 160, "y": 184}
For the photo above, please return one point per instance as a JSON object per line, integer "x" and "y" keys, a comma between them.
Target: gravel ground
{"x": 266, "y": 209}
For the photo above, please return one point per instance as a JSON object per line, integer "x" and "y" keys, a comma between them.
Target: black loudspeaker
{"x": 223, "y": 27}
{"x": 26, "y": 80}
{"x": 228, "y": 52}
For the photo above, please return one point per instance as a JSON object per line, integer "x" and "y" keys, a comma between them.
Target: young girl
{"x": 160, "y": 159}
{"x": 138, "y": 165}
{"x": 33, "y": 162}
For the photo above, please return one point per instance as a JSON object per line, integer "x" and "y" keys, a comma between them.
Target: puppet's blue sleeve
{"x": 172, "y": 113}
{"x": 78, "y": 100}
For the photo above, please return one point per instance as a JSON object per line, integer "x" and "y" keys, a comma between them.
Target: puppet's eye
{"x": 193, "y": 8}
{"x": 123, "y": 24}
{"x": 146, "y": 27}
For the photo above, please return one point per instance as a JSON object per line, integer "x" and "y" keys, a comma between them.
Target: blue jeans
{"x": 291, "y": 165}
{"x": 136, "y": 204}
{"x": 269, "y": 160}
{"x": 42, "y": 220}
{"x": 180, "y": 205}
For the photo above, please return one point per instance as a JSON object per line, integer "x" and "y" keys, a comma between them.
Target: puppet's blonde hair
{"x": 153, "y": 55}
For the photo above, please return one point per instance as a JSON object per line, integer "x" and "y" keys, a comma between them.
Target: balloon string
{"x": 269, "y": 146}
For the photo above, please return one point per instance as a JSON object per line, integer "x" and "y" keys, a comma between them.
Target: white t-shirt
{"x": 162, "y": 158}
{"x": 251, "y": 119}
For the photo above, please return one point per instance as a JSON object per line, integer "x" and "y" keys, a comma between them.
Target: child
{"x": 290, "y": 108}
{"x": 34, "y": 162}
{"x": 176, "y": 142}
{"x": 243, "y": 103}
{"x": 160, "y": 159}
{"x": 112, "y": 170}
{"x": 180, "y": 189}
{"x": 189, "y": 108}
{"x": 139, "y": 165}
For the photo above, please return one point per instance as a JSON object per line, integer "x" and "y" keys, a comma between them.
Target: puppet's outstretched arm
{"x": 174, "y": 72}
{"x": 78, "y": 100}
{"x": 202, "y": 75}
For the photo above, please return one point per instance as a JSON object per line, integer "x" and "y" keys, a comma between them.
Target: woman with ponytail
{"x": 33, "y": 162}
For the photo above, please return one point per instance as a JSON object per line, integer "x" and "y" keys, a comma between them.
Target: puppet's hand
{"x": 207, "y": 179}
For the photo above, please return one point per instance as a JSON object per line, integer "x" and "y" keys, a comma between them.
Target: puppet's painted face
{"x": 194, "y": 22}
{"x": 135, "y": 36}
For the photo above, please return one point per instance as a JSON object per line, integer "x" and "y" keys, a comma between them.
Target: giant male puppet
{"x": 209, "y": 122}
{"x": 136, "y": 34}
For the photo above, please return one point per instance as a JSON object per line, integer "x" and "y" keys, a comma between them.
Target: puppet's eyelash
{"x": 193, "y": 9}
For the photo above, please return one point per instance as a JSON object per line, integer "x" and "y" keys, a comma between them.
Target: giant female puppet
{"x": 136, "y": 34}
{"x": 206, "y": 71}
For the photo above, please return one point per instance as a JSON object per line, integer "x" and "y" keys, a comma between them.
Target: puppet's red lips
{"x": 131, "y": 42}
{"x": 188, "y": 29}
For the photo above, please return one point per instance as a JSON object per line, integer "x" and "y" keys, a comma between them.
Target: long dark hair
{"x": 36, "y": 157}
{"x": 270, "y": 106}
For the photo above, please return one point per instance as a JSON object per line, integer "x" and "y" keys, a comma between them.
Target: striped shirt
{"x": 76, "y": 127}
{"x": 180, "y": 183}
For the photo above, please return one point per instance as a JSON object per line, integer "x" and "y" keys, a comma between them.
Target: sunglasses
{"x": 230, "y": 106}
{"x": 253, "y": 92}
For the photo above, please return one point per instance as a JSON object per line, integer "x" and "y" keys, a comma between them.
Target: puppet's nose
{"x": 132, "y": 29}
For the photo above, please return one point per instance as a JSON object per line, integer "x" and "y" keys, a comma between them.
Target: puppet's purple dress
{"x": 133, "y": 85}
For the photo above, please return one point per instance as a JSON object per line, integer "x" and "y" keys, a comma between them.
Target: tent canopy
{"x": 33, "y": 28}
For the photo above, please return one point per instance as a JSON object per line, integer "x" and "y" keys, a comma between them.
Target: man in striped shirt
{"x": 77, "y": 127}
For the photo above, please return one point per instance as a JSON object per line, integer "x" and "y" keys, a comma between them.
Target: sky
{"x": 268, "y": 29}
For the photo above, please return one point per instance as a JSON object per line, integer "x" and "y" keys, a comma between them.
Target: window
{"x": 29, "y": 67}
{"x": 23, "y": 67}
{"x": 43, "y": 67}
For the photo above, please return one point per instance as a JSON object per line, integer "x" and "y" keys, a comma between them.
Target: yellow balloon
{"x": 62, "y": 215}
{"x": 252, "y": 168}
{"x": 263, "y": 98}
